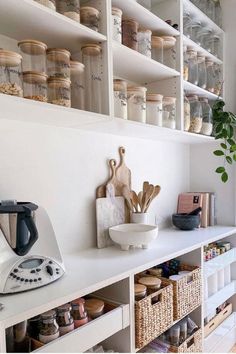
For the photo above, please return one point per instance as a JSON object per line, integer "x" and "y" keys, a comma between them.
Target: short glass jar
{"x": 49, "y": 329}
{"x": 144, "y": 42}
{"x": 35, "y": 86}
{"x": 137, "y": 103}
{"x": 51, "y": 4}
{"x": 207, "y": 118}
{"x": 59, "y": 91}
{"x": 195, "y": 114}
{"x": 157, "y": 48}
{"x": 154, "y": 109}
{"x": 210, "y": 75}
{"x": 90, "y": 17}
{"x": 202, "y": 74}
{"x": 169, "y": 51}
{"x": 169, "y": 112}
{"x": 94, "y": 307}
{"x": 78, "y": 312}
{"x": 10, "y": 73}
{"x": 117, "y": 24}
{"x": 130, "y": 33}
{"x": 77, "y": 85}
{"x": 140, "y": 291}
{"x": 186, "y": 114}
{"x": 58, "y": 63}
{"x": 192, "y": 66}
{"x": 64, "y": 319}
{"x": 69, "y": 8}
{"x": 33, "y": 54}
{"x": 120, "y": 98}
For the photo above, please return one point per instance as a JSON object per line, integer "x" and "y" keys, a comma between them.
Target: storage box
{"x": 193, "y": 344}
{"x": 215, "y": 322}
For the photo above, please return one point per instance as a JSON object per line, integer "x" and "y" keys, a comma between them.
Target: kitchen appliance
{"x": 29, "y": 253}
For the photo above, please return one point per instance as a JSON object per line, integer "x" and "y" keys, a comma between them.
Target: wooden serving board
{"x": 123, "y": 173}
{"x": 101, "y": 190}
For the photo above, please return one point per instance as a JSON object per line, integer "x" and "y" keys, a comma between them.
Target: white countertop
{"x": 94, "y": 269}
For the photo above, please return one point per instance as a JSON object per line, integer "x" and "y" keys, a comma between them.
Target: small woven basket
{"x": 193, "y": 344}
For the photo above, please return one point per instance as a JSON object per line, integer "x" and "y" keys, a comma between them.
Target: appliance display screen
{"x": 31, "y": 263}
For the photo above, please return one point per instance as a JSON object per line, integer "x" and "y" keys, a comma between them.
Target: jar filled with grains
{"x": 49, "y": 329}
{"x": 195, "y": 114}
{"x": 59, "y": 91}
{"x": 157, "y": 48}
{"x": 137, "y": 103}
{"x": 169, "y": 112}
{"x": 33, "y": 55}
{"x": 77, "y": 85}
{"x": 144, "y": 42}
{"x": 120, "y": 98}
{"x": 69, "y": 8}
{"x": 154, "y": 109}
{"x": 90, "y": 17}
{"x": 51, "y": 4}
{"x": 169, "y": 51}
{"x": 185, "y": 69}
{"x": 10, "y": 73}
{"x": 130, "y": 33}
{"x": 210, "y": 76}
{"x": 35, "y": 86}
{"x": 64, "y": 319}
{"x": 117, "y": 24}
{"x": 207, "y": 119}
{"x": 58, "y": 63}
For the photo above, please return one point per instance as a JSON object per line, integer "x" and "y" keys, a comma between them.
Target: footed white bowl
{"x": 127, "y": 235}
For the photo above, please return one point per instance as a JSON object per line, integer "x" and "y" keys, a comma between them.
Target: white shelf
{"x": 145, "y": 17}
{"x": 136, "y": 67}
{"x": 220, "y": 262}
{"x": 193, "y": 89}
{"x": 219, "y": 298}
{"x": 26, "y": 18}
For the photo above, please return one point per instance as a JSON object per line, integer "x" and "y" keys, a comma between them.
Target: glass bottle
{"x": 35, "y": 86}
{"x": 120, "y": 98}
{"x": 137, "y": 103}
{"x": 117, "y": 24}
{"x": 202, "y": 74}
{"x": 69, "y": 8}
{"x": 10, "y": 73}
{"x": 207, "y": 119}
{"x": 49, "y": 329}
{"x": 64, "y": 319}
{"x": 33, "y": 55}
{"x": 144, "y": 42}
{"x": 130, "y": 33}
{"x": 157, "y": 48}
{"x": 79, "y": 314}
{"x": 169, "y": 51}
{"x": 195, "y": 114}
{"x": 210, "y": 75}
{"x": 77, "y": 85}
{"x": 154, "y": 109}
{"x": 187, "y": 24}
{"x": 186, "y": 114}
{"x": 185, "y": 69}
{"x": 192, "y": 66}
{"x": 169, "y": 112}
{"x": 58, "y": 63}
{"x": 51, "y": 4}
{"x": 90, "y": 17}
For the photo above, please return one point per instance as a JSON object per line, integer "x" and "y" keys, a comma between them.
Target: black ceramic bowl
{"x": 185, "y": 221}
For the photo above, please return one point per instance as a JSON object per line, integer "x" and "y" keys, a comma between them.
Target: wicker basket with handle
{"x": 193, "y": 344}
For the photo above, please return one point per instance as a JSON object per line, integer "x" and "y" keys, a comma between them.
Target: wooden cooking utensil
{"x": 140, "y": 199}
{"x": 147, "y": 196}
{"x": 126, "y": 195}
{"x": 154, "y": 195}
{"x": 145, "y": 186}
{"x": 123, "y": 173}
{"x": 134, "y": 200}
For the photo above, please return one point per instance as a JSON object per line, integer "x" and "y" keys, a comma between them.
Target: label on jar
{"x": 48, "y": 338}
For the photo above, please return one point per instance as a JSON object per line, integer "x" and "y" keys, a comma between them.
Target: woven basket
{"x": 193, "y": 344}
{"x": 151, "y": 320}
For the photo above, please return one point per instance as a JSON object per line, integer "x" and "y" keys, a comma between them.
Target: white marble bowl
{"x": 127, "y": 235}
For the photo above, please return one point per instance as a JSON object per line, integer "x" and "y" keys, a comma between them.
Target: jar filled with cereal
{"x": 58, "y": 63}
{"x": 10, "y": 73}
{"x": 59, "y": 91}
{"x": 195, "y": 114}
{"x": 35, "y": 86}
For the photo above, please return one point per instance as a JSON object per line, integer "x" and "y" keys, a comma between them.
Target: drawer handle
{"x": 212, "y": 324}
{"x": 190, "y": 343}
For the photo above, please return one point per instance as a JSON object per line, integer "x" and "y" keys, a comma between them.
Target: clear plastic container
{"x": 187, "y": 24}
{"x": 69, "y": 8}
{"x": 59, "y": 92}
{"x": 202, "y": 74}
{"x": 10, "y": 73}
{"x": 207, "y": 118}
{"x": 77, "y": 85}
{"x": 117, "y": 24}
{"x": 186, "y": 114}
{"x": 120, "y": 98}
{"x": 51, "y": 4}
{"x": 154, "y": 109}
{"x": 144, "y": 42}
{"x": 49, "y": 329}
{"x": 192, "y": 66}
{"x": 169, "y": 112}
{"x": 195, "y": 114}
{"x": 185, "y": 69}
{"x": 58, "y": 63}
{"x": 137, "y": 103}
{"x": 64, "y": 319}
{"x": 33, "y": 54}
{"x": 130, "y": 33}
{"x": 90, "y": 17}
{"x": 35, "y": 86}
{"x": 92, "y": 59}
{"x": 157, "y": 48}
{"x": 169, "y": 51}
{"x": 210, "y": 75}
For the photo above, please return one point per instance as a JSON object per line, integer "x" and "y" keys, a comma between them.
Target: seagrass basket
{"x": 193, "y": 344}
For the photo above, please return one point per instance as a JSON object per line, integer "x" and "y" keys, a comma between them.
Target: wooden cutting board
{"x": 123, "y": 173}
{"x": 101, "y": 190}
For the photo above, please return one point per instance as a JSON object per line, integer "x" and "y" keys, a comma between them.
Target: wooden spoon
{"x": 154, "y": 195}
{"x": 134, "y": 200}
{"x": 147, "y": 197}
{"x": 140, "y": 199}
{"x": 126, "y": 195}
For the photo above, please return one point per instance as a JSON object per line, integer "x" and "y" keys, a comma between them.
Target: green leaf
{"x": 224, "y": 146}
{"x": 224, "y": 177}
{"x": 224, "y": 133}
{"x": 233, "y": 148}
{"x": 230, "y": 130}
{"x": 219, "y": 136}
{"x": 219, "y": 127}
{"x": 231, "y": 142}
{"x": 234, "y": 157}
{"x": 229, "y": 160}
{"x": 219, "y": 153}
{"x": 220, "y": 170}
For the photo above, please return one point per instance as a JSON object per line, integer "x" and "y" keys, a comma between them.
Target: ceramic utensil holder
{"x": 139, "y": 218}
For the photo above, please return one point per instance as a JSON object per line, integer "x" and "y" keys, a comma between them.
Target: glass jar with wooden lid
{"x": 169, "y": 51}
{"x": 94, "y": 307}
{"x": 130, "y": 33}
{"x": 59, "y": 91}
{"x": 157, "y": 48}
{"x": 137, "y": 103}
{"x": 33, "y": 54}
{"x": 64, "y": 319}
{"x": 144, "y": 39}
{"x": 169, "y": 112}
{"x": 35, "y": 86}
{"x": 10, "y": 73}
{"x": 90, "y": 17}
{"x": 117, "y": 24}
{"x": 195, "y": 114}
{"x": 154, "y": 109}
{"x": 77, "y": 85}
{"x": 49, "y": 329}
{"x": 51, "y": 4}
{"x": 120, "y": 98}
{"x": 152, "y": 283}
{"x": 58, "y": 63}
{"x": 69, "y": 8}
{"x": 140, "y": 291}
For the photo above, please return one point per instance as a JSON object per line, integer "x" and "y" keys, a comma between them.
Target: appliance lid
{"x": 11, "y": 207}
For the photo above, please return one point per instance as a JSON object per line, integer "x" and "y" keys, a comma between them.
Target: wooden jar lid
{"x": 154, "y": 97}
{"x": 139, "y": 289}
{"x": 150, "y": 281}
{"x": 116, "y": 11}
{"x": 88, "y": 11}
{"x": 91, "y": 49}
{"x": 32, "y": 47}
{"x": 34, "y": 77}
{"x": 94, "y": 305}
{"x": 77, "y": 66}
{"x": 9, "y": 58}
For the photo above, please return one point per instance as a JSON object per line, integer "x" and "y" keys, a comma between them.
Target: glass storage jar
{"x": 90, "y": 17}
{"x": 117, "y": 24}
{"x": 120, "y": 98}
{"x": 218, "y": 79}
{"x": 218, "y": 13}
{"x": 207, "y": 118}
{"x": 144, "y": 42}
{"x": 154, "y": 109}
{"x": 33, "y": 327}
{"x": 130, "y": 33}
{"x": 215, "y": 46}
{"x": 33, "y": 55}
{"x": 64, "y": 319}
{"x": 192, "y": 66}
{"x": 202, "y": 74}
{"x": 185, "y": 69}
{"x": 152, "y": 284}
{"x": 77, "y": 85}
{"x": 51, "y": 4}
{"x": 79, "y": 314}
{"x": 58, "y": 63}
{"x": 204, "y": 37}
{"x": 169, "y": 51}
{"x": 140, "y": 291}
{"x": 169, "y": 112}
{"x": 136, "y": 96}
{"x": 187, "y": 24}
{"x": 49, "y": 329}
{"x": 35, "y": 86}
{"x": 196, "y": 29}
{"x": 94, "y": 307}
{"x": 92, "y": 59}
{"x": 210, "y": 75}
{"x": 59, "y": 91}
{"x": 186, "y": 114}
{"x": 10, "y": 73}
{"x": 69, "y": 8}
{"x": 195, "y": 114}
{"x": 210, "y": 9}
{"x": 157, "y": 48}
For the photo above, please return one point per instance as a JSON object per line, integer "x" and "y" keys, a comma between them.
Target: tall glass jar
{"x": 120, "y": 98}
{"x": 92, "y": 59}
{"x": 192, "y": 66}
{"x": 218, "y": 80}
{"x": 185, "y": 68}
{"x": 169, "y": 112}
{"x": 157, "y": 48}
{"x": 34, "y": 55}
{"x": 195, "y": 114}
{"x": 10, "y": 73}
{"x": 196, "y": 28}
{"x": 218, "y": 13}
{"x": 207, "y": 120}
{"x": 154, "y": 109}
{"x": 64, "y": 319}
{"x": 187, "y": 118}
{"x": 49, "y": 329}
{"x": 69, "y": 8}
{"x": 215, "y": 46}
{"x": 77, "y": 85}
{"x": 187, "y": 24}
{"x": 58, "y": 63}
{"x": 169, "y": 51}
{"x": 51, "y": 4}
{"x": 210, "y": 9}
{"x": 90, "y": 17}
{"x": 130, "y": 33}
{"x": 204, "y": 37}
{"x": 144, "y": 42}
{"x": 59, "y": 91}
{"x": 202, "y": 74}
{"x": 35, "y": 86}
{"x": 117, "y": 24}
{"x": 137, "y": 103}
{"x": 210, "y": 75}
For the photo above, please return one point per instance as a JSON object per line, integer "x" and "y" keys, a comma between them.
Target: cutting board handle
{"x": 122, "y": 154}
{"x": 112, "y": 164}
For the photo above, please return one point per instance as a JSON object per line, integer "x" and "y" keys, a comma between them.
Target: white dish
{"x": 127, "y": 235}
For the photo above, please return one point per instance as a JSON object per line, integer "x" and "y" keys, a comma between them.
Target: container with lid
{"x": 204, "y": 36}
{"x": 33, "y": 54}
{"x": 185, "y": 69}
{"x": 210, "y": 75}
{"x": 117, "y": 24}
{"x": 169, "y": 51}
{"x": 64, "y": 319}
{"x": 195, "y": 114}
{"x": 140, "y": 291}
{"x": 35, "y": 86}
{"x": 169, "y": 112}
{"x": 77, "y": 85}
{"x": 152, "y": 283}
{"x": 130, "y": 33}
{"x": 92, "y": 59}
{"x": 94, "y": 307}
{"x": 58, "y": 63}
{"x": 154, "y": 109}
{"x": 51, "y": 4}
{"x": 69, "y": 8}
{"x": 186, "y": 114}
{"x": 120, "y": 98}
{"x": 90, "y": 17}
{"x": 144, "y": 42}
{"x": 157, "y": 48}
{"x": 33, "y": 327}
{"x": 187, "y": 24}
{"x": 49, "y": 329}
{"x": 10, "y": 73}
{"x": 59, "y": 91}
{"x": 202, "y": 74}
{"x": 207, "y": 119}
{"x": 218, "y": 79}
{"x": 137, "y": 103}
{"x": 196, "y": 28}
{"x": 215, "y": 46}
{"x": 78, "y": 312}
{"x": 192, "y": 66}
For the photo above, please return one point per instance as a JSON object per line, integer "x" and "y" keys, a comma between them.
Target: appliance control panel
{"x": 31, "y": 273}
